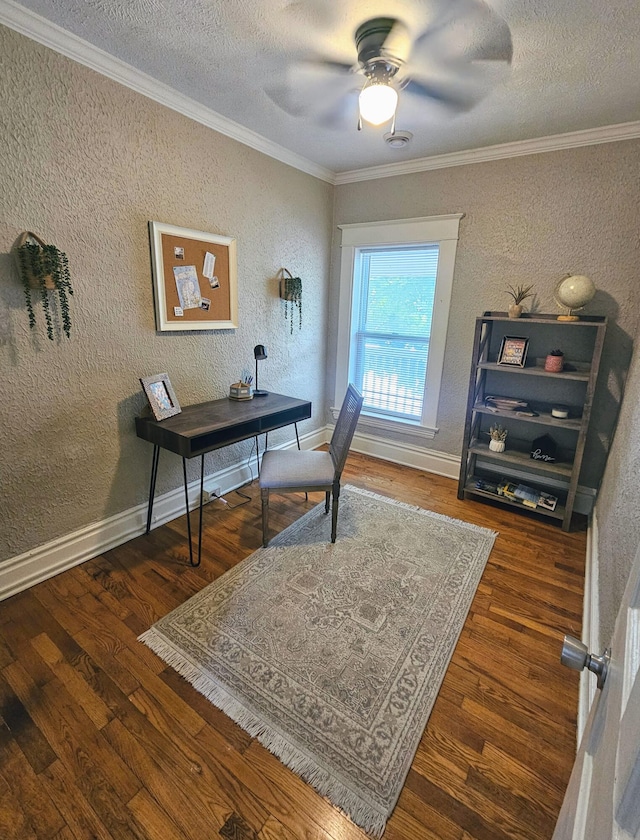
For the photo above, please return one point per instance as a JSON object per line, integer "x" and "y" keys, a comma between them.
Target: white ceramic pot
{"x": 496, "y": 445}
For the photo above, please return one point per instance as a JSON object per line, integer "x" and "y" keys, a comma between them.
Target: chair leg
{"x": 334, "y": 511}
{"x": 326, "y": 501}
{"x": 264, "y": 493}
{"x": 306, "y": 495}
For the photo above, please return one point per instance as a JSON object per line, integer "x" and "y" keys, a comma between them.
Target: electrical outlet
{"x": 211, "y": 495}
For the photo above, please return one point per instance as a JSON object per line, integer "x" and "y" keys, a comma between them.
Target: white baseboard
{"x": 407, "y": 454}
{"x": 64, "y": 553}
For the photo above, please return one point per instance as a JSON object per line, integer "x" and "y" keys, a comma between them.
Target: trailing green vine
{"x": 291, "y": 292}
{"x": 45, "y": 268}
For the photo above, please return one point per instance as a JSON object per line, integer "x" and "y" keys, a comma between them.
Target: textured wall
{"x": 85, "y": 164}
{"x": 617, "y": 508}
{"x": 527, "y": 220}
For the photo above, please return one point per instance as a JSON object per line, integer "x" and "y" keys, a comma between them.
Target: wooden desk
{"x": 201, "y": 428}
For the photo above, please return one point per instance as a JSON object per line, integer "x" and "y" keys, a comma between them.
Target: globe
{"x": 572, "y": 293}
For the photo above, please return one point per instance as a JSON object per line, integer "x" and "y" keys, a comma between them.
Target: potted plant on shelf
{"x": 519, "y": 294}
{"x": 497, "y": 438}
{"x": 554, "y": 361}
{"x": 291, "y": 294}
{"x": 44, "y": 270}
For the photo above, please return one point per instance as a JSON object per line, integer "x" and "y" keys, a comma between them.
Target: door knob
{"x": 575, "y": 655}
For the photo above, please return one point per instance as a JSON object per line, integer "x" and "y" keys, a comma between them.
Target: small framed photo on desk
{"x": 513, "y": 350}
{"x": 162, "y": 400}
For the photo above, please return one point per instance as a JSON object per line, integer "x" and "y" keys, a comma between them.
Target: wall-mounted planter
{"x": 45, "y": 270}
{"x": 291, "y": 294}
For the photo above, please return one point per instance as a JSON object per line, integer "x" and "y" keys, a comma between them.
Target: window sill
{"x": 377, "y": 424}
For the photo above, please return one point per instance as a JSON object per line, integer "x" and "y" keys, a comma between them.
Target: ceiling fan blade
{"x": 453, "y": 97}
{"x": 397, "y": 43}
{"x": 314, "y": 88}
{"x": 340, "y": 114}
{"x": 467, "y": 30}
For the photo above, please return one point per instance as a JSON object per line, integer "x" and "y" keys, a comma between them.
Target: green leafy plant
{"x": 44, "y": 271}
{"x": 497, "y": 432}
{"x": 291, "y": 293}
{"x": 556, "y": 353}
{"x": 520, "y": 293}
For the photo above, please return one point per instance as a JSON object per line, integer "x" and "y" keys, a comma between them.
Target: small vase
{"x": 554, "y": 364}
{"x": 496, "y": 445}
{"x": 515, "y": 310}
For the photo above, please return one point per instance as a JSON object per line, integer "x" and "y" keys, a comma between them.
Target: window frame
{"x": 430, "y": 230}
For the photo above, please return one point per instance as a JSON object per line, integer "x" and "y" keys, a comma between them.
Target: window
{"x": 395, "y": 289}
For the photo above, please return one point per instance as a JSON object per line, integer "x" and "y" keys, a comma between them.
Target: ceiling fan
{"x": 452, "y": 63}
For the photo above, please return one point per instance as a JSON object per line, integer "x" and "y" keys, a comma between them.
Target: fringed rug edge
{"x": 362, "y": 813}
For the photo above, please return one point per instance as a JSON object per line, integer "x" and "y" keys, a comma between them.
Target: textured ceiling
{"x": 575, "y": 66}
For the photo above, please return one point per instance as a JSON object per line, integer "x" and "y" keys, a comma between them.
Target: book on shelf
{"x": 547, "y": 501}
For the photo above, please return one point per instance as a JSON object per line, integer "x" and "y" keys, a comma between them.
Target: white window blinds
{"x": 394, "y": 300}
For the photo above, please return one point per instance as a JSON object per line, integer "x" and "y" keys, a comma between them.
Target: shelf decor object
{"x": 497, "y": 438}
{"x": 549, "y": 466}
{"x": 544, "y": 449}
{"x": 44, "y": 270}
{"x": 519, "y": 294}
{"x": 291, "y": 294}
{"x": 554, "y": 361}
{"x": 572, "y": 293}
{"x": 513, "y": 350}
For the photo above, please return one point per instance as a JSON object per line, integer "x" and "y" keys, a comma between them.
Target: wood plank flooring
{"x": 99, "y": 739}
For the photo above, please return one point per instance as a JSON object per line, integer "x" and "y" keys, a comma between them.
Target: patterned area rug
{"x": 332, "y": 655}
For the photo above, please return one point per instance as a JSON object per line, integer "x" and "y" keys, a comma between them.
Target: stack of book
{"x": 528, "y": 496}
{"x": 519, "y": 493}
{"x": 509, "y": 404}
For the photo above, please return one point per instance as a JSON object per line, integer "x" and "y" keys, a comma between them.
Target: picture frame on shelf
{"x": 160, "y": 394}
{"x": 513, "y": 350}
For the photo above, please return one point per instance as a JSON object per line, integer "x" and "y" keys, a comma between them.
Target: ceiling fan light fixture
{"x": 378, "y": 102}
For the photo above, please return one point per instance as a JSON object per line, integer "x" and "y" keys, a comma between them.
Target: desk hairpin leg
{"x": 186, "y": 499}
{"x": 152, "y": 489}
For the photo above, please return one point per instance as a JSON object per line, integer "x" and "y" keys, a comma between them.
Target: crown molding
{"x": 553, "y": 143}
{"x": 45, "y": 32}
{"x": 50, "y": 35}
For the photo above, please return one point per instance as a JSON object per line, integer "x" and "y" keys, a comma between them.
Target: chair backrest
{"x": 345, "y": 428}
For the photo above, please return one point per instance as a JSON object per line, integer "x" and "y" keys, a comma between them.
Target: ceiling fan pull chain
{"x": 359, "y": 123}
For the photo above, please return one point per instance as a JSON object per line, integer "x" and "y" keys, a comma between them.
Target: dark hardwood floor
{"x": 99, "y": 739}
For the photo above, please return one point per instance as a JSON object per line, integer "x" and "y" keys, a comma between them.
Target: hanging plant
{"x": 44, "y": 271}
{"x": 291, "y": 294}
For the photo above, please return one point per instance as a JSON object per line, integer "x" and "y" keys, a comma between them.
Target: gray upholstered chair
{"x": 294, "y": 471}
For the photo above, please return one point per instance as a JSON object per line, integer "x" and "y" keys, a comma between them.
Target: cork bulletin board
{"x": 194, "y": 279}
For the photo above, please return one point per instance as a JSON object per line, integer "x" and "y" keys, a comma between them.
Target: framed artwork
{"x": 195, "y": 284}
{"x": 513, "y": 350}
{"x": 162, "y": 400}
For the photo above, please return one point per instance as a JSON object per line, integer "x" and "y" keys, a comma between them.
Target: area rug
{"x": 332, "y": 655}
